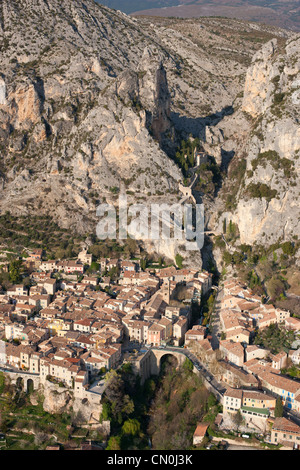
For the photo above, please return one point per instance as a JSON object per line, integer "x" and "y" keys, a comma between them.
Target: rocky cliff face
{"x": 266, "y": 202}
{"x": 268, "y": 209}
{"x": 92, "y": 101}
{"x": 82, "y": 92}
{"x": 58, "y": 400}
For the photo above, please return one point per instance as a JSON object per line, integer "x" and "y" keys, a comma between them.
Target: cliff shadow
{"x": 196, "y": 126}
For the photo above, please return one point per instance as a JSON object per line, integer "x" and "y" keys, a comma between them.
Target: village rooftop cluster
{"x": 251, "y": 375}
{"x": 70, "y": 327}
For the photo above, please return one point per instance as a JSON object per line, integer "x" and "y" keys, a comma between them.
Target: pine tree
{"x": 224, "y": 226}
{"x": 278, "y": 412}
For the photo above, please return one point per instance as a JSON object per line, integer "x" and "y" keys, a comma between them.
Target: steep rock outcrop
{"x": 57, "y": 400}
{"x": 273, "y": 150}
{"x": 259, "y": 90}
{"x": 84, "y": 107}
{"x": 267, "y": 200}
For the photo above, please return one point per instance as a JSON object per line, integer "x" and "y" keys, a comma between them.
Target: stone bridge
{"x": 24, "y": 379}
{"x": 147, "y": 363}
{"x": 159, "y": 353}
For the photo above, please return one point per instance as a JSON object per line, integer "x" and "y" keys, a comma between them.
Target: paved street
{"x": 215, "y": 324}
{"x": 99, "y": 387}
{"x": 236, "y": 447}
{"x": 200, "y": 367}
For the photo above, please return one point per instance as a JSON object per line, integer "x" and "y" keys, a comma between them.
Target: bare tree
{"x": 237, "y": 419}
{"x": 40, "y": 438}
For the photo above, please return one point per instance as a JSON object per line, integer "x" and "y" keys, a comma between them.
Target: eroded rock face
{"x": 270, "y": 211}
{"x": 57, "y": 399}
{"x": 147, "y": 89}
{"x": 84, "y": 106}
{"x": 60, "y": 400}
{"x": 2, "y": 92}
{"x": 28, "y": 106}
{"x": 56, "y": 404}
{"x": 258, "y": 93}
{"x": 88, "y": 98}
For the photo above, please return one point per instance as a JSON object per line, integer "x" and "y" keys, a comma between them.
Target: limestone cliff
{"x": 271, "y": 212}
{"x": 84, "y": 107}
{"x": 92, "y": 102}
{"x": 266, "y": 200}
{"x": 57, "y": 400}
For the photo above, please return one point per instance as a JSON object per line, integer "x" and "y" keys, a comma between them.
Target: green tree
{"x": 179, "y": 260}
{"x": 275, "y": 287}
{"x": 128, "y": 405}
{"x": 211, "y": 401}
{"x": 2, "y": 383}
{"x": 278, "y": 412}
{"x": 94, "y": 268}
{"x": 131, "y": 427}
{"x": 275, "y": 338}
{"x": 114, "y": 273}
{"x": 227, "y": 257}
{"x": 114, "y": 443}
{"x": 210, "y": 303}
{"x": 237, "y": 257}
{"x": 106, "y": 412}
{"x": 3, "y": 423}
{"x": 188, "y": 365}
{"x": 144, "y": 262}
{"x": 288, "y": 248}
{"x": 15, "y": 271}
{"x": 27, "y": 282}
{"x": 224, "y": 226}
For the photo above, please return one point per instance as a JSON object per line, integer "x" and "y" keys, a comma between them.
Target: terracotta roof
{"x": 200, "y": 430}
{"x": 283, "y": 424}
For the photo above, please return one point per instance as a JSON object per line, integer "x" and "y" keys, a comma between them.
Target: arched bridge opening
{"x": 20, "y": 384}
{"x": 167, "y": 362}
{"x": 165, "y": 358}
{"x": 24, "y": 382}
{"x": 30, "y": 386}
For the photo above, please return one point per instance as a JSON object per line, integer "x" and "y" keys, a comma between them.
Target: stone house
{"x": 180, "y": 327}
{"x": 63, "y": 370}
{"x": 255, "y": 407}
{"x": 200, "y": 433}
{"x": 294, "y": 355}
{"x": 85, "y": 258}
{"x": 155, "y": 334}
{"x": 285, "y": 432}
{"x": 235, "y": 377}
{"x": 194, "y": 334}
{"x": 232, "y": 352}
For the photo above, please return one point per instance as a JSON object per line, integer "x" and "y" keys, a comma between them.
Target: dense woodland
{"x": 161, "y": 414}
